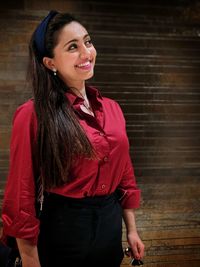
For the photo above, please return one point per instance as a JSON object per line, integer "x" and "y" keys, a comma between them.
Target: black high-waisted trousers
{"x": 81, "y": 232}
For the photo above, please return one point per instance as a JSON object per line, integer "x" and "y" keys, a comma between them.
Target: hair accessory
{"x": 40, "y": 32}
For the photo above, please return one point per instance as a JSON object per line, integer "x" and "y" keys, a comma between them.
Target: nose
{"x": 85, "y": 52}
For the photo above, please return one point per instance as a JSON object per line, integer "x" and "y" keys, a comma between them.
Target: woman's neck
{"x": 78, "y": 89}
{"x": 85, "y": 106}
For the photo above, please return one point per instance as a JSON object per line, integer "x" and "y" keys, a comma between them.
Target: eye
{"x": 72, "y": 47}
{"x": 88, "y": 42}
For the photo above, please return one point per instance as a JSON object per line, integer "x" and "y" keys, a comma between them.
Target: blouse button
{"x": 105, "y": 159}
{"x": 103, "y": 186}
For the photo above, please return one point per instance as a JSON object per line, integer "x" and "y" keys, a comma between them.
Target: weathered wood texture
{"x": 149, "y": 61}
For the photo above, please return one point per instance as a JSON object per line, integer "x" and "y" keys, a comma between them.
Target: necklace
{"x": 86, "y": 103}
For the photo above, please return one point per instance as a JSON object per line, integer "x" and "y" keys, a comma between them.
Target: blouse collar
{"x": 92, "y": 94}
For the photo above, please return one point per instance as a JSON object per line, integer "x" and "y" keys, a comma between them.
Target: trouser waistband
{"x": 94, "y": 201}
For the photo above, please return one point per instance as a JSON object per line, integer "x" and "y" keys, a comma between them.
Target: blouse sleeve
{"x": 18, "y": 211}
{"x": 129, "y": 193}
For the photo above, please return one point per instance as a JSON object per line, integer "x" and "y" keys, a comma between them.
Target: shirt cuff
{"x": 130, "y": 199}
{"x": 24, "y": 226}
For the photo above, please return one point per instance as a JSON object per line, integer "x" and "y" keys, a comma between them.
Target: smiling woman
{"x": 73, "y": 56}
{"x": 75, "y": 140}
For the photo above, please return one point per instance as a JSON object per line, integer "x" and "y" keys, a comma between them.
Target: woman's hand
{"x": 133, "y": 238}
{"x": 136, "y": 245}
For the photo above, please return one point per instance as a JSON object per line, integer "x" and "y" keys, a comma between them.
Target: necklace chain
{"x": 86, "y": 103}
{"x": 88, "y": 107}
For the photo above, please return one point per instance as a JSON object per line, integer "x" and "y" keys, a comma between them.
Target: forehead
{"x": 73, "y": 30}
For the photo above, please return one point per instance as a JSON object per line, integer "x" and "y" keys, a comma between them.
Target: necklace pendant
{"x": 87, "y": 106}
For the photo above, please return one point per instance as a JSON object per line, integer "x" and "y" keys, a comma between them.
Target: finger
{"x": 135, "y": 251}
{"x": 140, "y": 249}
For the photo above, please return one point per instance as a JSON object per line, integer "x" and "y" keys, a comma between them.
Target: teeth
{"x": 84, "y": 64}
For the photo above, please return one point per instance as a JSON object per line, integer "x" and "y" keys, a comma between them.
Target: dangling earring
{"x": 54, "y": 72}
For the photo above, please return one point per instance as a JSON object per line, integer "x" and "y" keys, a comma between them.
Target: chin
{"x": 89, "y": 75}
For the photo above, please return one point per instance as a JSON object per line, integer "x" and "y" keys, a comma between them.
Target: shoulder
{"x": 27, "y": 106}
{"x": 112, "y": 104}
{"x": 25, "y": 113}
{"x": 108, "y": 103}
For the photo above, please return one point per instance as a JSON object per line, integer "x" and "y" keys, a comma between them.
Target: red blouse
{"x": 113, "y": 170}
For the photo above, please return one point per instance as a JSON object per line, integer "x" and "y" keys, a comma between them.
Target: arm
{"x": 129, "y": 197}
{"x": 130, "y": 200}
{"x": 133, "y": 238}
{"x": 18, "y": 211}
{"x": 29, "y": 253}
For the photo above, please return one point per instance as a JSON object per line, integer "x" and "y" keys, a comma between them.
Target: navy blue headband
{"x": 40, "y": 32}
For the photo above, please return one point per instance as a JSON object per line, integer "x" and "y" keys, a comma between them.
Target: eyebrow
{"x": 75, "y": 40}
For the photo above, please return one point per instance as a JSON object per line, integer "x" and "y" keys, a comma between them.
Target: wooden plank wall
{"x": 149, "y": 61}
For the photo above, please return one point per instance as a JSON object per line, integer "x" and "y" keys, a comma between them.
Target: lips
{"x": 85, "y": 65}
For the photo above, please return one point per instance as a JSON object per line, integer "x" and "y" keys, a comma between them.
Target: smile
{"x": 85, "y": 66}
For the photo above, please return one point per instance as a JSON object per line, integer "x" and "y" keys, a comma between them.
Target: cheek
{"x": 67, "y": 65}
{"x": 94, "y": 52}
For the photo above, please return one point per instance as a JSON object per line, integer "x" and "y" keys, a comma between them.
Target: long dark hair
{"x": 60, "y": 138}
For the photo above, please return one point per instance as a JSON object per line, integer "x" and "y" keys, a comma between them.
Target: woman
{"x": 75, "y": 141}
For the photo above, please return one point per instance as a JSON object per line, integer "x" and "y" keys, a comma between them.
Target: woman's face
{"x": 74, "y": 54}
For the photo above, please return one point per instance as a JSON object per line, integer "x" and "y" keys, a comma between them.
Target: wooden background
{"x": 149, "y": 61}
